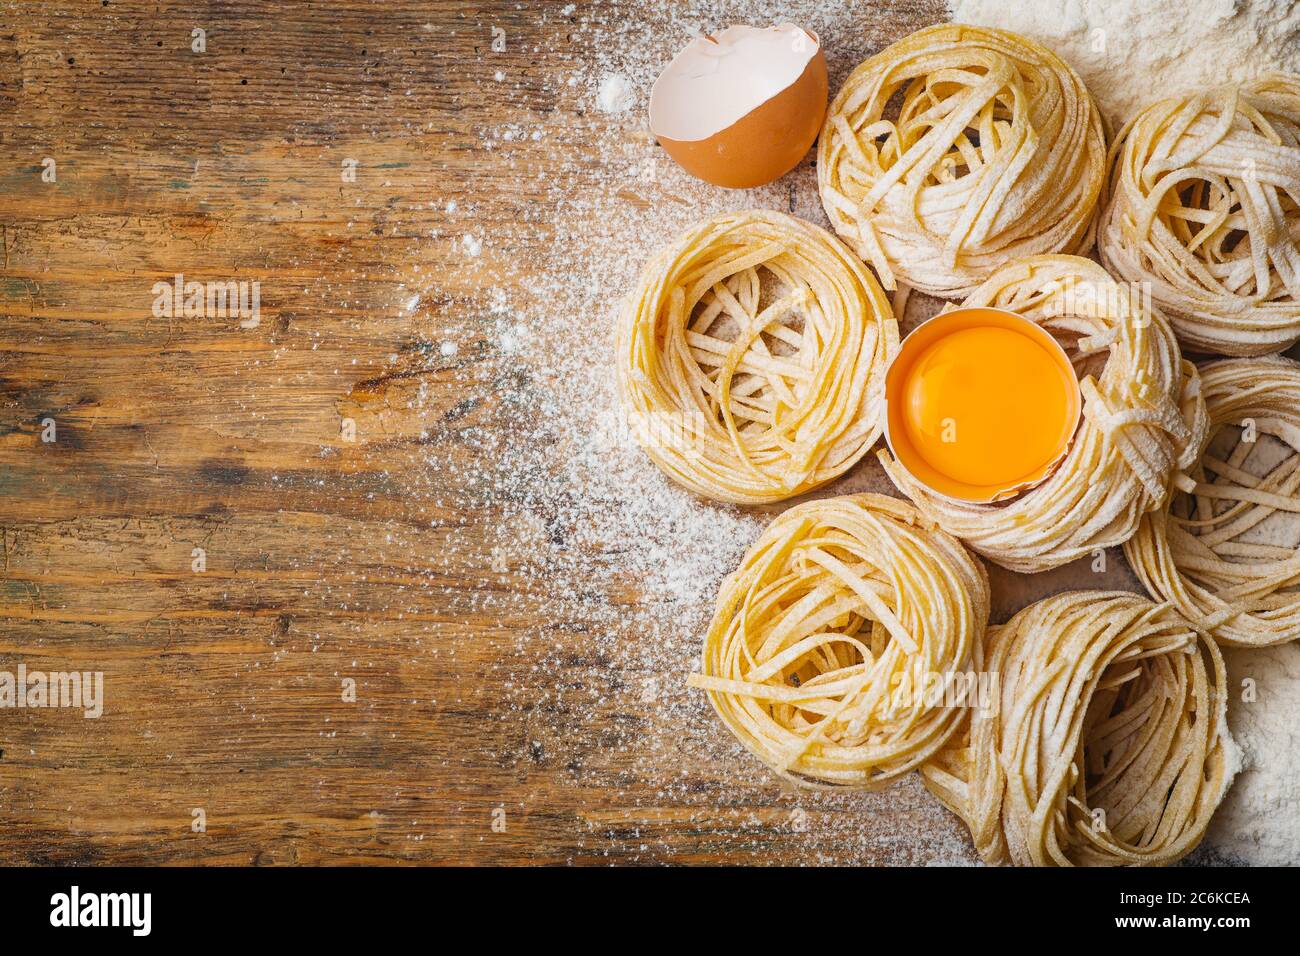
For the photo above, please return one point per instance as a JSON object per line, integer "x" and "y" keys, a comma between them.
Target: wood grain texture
{"x": 326, "y": 559}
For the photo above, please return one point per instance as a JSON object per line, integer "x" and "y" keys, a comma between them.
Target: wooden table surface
{"x": 482, "y": 730}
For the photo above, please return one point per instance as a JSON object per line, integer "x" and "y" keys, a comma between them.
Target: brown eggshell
{"x": 767, "y": 142}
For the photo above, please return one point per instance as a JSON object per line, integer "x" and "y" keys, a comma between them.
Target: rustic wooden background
{"x": 326, "y": 559}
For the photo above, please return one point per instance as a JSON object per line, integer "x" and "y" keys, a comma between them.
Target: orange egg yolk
{"x": 987, "y": 406}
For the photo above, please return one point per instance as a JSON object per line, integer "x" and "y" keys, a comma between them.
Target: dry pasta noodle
{"x": 749, "y": 395}
{"x": 1203, "y": 202}
{"x": 1106, "y": 743}
{"x": 1225, "y": 553}
{"x": 998, "y": 151}
{"x": 1143, "y": 418}
{"x": 840, "y": 649}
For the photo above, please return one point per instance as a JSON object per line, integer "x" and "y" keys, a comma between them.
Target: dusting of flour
{"x": 1259, "y": 822}
{"x": 633, "y": 563}
{"x": 1132, "y": 51}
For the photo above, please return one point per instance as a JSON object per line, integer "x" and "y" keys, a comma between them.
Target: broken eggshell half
{"x": 742, "y": 108}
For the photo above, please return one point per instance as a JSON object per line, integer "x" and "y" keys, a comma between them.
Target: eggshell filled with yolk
{"x": 982, "y": 404}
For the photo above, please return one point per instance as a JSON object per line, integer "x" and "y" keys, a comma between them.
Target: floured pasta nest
{"x": 1225, "y": 553}
{"x": 1203, "y": 202}
{"x": 1106, "y": 743}
{"x": 752, "y": 357}
{"x": 843, "y": 649}
{"x": 1143, "y": 420}
{"x": 956, "y": 149}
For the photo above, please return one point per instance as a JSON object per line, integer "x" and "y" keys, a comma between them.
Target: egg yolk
{"x": 986, "y": 406}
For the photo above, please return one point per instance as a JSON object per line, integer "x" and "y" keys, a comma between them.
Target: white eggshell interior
{"x": 716, "y": 81}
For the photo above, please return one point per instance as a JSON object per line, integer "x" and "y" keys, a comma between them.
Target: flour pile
{"x": 1130, "y": 52}
{"x": 1259, "y": 821}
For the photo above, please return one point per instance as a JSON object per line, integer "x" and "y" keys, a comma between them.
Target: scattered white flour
{"x": 602, "y": 571}
{"x": 615, "y": 95}
{"x": 472, "y": 244}
{"x": 1259, "y": 822}
{"x": 1130, "y": 52}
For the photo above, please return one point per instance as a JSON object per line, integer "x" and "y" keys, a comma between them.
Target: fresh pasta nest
{"x": 996, "y": 152}
{"x": 751, "y": 358}
{"x": 1106, "y": 743}
{"x": 1143, "y": 419}
{"x": 1203, "y": 203}
{"x": 841, "y": 650}
{"x": 1225, "y": 554}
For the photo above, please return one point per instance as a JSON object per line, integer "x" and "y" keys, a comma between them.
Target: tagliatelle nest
{"x": 996, "y": 152}
{"x": 1225, "y": 554}
{"x": 1106, "y": 744}
{"x": 840, "y": 650}
{"x": 752, "y": 357}
{"x": 1143, "y": 420}
{"x": 1204, "y": 204}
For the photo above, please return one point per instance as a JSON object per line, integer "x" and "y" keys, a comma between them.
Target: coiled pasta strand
{"x": 1213, "y": 560}
{"x": 1106, "y": 743}
{"x": 748, "y": 395}
{"x": 998, "y": 152}
{"x": 840, "y": 649}
{"x": 1203, "y": 203}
